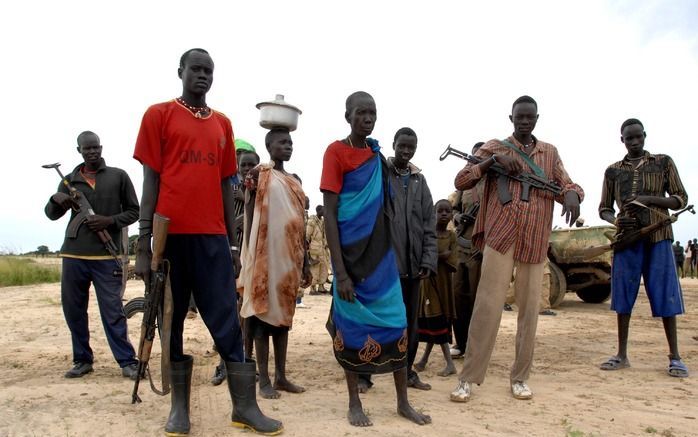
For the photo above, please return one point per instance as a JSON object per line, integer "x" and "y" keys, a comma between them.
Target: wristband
{"x": 235, "y": 248}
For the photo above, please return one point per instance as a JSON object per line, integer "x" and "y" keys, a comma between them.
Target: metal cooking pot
{"x": 278, "y": 113}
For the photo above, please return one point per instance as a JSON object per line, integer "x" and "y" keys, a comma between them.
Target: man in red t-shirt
{"x": 188, "y": 156}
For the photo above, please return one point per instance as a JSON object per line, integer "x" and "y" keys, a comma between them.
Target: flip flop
{"x": 615, "y": 363}
{"x": 677, "y": 369}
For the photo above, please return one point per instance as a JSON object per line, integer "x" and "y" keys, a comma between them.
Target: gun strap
{"x": 534, "y": 167}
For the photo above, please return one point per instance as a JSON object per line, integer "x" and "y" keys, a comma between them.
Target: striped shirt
{"x": 239, "y": 210}
{"x": 526, "y": 225}
{"x": 655, "y": 175}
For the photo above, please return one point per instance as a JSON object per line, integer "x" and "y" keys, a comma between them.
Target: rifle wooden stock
{"x": 593, "y": 252}
{"x": 154, "y": 294}
{"x": 160, "y": 226}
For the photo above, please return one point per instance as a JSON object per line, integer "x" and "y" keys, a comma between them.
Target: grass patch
{"x": 24, "y": 271}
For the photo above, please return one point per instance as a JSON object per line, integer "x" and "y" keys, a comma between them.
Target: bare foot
{"x": 286, "y": 385}
{"x": 357, "y": 417}
{"x": 268, "y": 392}
{"x": 363, "y": 387}
{"x": 448, "y": 370}
{"x": 420, "y": 366}
{"x": 410, "y": 413}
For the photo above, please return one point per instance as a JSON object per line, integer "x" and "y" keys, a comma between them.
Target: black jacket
{"x": 113, "y": 196}
{"x": 413, "y": 229}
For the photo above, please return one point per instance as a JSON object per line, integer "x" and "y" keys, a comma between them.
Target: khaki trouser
{"x": 544, "y": 291}
{"x": 320, "y": 272}
{"x": 497, "y": 269}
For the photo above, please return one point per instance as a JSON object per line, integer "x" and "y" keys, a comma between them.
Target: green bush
{"x": 23, "y": 271}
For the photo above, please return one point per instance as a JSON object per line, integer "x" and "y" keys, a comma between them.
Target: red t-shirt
{"x": 340, "y": 159}
{"x": 192, "y": 156}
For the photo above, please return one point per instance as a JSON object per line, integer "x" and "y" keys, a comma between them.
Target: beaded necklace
{"x": 199, "y": 112}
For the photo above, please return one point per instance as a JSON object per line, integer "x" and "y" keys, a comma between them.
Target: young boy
{"x": 436, "y": 300}
{"x": 653, "y": 181}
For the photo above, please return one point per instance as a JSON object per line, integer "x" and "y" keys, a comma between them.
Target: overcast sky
{"x": 448, "y": 69}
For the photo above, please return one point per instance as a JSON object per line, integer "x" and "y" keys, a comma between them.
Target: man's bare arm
{"x": 149, "y": 199}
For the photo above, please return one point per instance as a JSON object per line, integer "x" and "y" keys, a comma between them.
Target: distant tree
{"x": 42, "y": 251}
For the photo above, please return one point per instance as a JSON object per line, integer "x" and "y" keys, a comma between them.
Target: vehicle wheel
{"x": 558, "y": 285}
{"x": 598, "y": 293}
{"x": 133, "y": 306}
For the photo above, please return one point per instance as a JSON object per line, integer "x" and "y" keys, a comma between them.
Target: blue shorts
{"x": 655, "y": 262}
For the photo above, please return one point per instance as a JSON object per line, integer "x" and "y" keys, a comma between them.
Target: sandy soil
{"x": 572, "y": 396}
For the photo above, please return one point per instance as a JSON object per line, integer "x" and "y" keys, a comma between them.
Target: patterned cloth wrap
{"x": 369, "y": 335}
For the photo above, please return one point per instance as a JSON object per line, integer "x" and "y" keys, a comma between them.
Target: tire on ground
{"x": 598, "y": 293}
{"x": 558, "y": 285}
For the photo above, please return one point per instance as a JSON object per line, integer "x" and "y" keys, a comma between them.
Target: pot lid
{"x": 279, "y": 101}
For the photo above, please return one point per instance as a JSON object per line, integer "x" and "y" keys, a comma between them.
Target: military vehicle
{"x": 590, "y": 279}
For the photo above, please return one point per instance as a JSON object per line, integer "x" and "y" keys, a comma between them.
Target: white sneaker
{"x": 520, "y": 390}
{"x": 301, "y": 305}
{"x": 455, "y": 352}
{"x": 462, "y": 392}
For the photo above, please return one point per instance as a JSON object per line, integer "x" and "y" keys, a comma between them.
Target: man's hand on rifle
{"x": 97, "y": 223}
{"x": 66, "y": 201}
{"x": 511, "y": 165}
{"x": 626, "y": 223}
{"x": 570, "y": 209}
{"x": 144, "y": 255}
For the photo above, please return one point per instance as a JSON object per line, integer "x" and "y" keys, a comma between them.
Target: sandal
{"x": 677, "y": 369}
{"x": 615, "y": 363}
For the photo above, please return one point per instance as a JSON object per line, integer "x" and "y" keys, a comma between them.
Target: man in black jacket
{"x": 86, "y": 260}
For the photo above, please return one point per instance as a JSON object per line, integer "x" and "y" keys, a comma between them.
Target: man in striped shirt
{"x": 515, "y": 233}
{"x": 652, "y": 181}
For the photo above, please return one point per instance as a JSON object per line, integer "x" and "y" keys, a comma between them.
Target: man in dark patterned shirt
{"x": 653, "y": 181}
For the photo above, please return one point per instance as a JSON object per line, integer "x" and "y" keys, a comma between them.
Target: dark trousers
{"x": 465, "y": 283}
{"x": 201, "y": 265}
{"x": 75, "y": 285}
{"x": 410, "y": 296}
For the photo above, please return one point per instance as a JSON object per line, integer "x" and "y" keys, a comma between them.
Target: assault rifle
{"x": 85, "y": 210}
{"x": 627, "y": 239}
{"x": 528, "y": 180}
{"x": 156, "y": 312}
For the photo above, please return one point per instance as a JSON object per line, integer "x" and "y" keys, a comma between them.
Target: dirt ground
{"x": 572, "y": 396}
